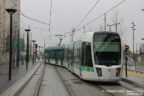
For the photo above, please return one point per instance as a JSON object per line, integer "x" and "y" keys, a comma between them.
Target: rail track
{"x": 74, "y": 86}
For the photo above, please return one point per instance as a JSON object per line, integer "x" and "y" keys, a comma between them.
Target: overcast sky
{"x": 67, "y": 14}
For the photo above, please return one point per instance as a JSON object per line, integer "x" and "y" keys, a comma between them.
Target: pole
{"x": 105, "y": 21}
{"x": 133, "y": 29}
{"x": 33, "y": 52}
{"x": 11, "y": 12}
{"x": 10, "y": 57}
{"x": 116, "y": 26}
{"x": 126, "y": 58}
{"x": 31, "y": 44}
{"x": 18, "y": 49}
{"x": 39, "y": 52}
{"x": 27, "y": 55}
{"x": 126, "y": 65}
{"x": 36, "y": 45}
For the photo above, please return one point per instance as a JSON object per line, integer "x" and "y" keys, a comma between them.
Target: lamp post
{"x": 27, "y": 54}
{"x": 142, "y": 50}
{"x": 33, "y": 41}
{"x": 36, "y": 45}
{"x": 133, "y": 29}
{"x": 11, "y": 12}
{"x": 18, "y": 49}
{"x": 39, "y": 51}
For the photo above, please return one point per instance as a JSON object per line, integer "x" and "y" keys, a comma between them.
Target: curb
{"x": 15, "y": 89}
{"x": 39, "y": 82}
{"x": 132, "y": 82}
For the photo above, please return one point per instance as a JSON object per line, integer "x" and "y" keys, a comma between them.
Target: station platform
{"x": 17, "y": 74}
{"x": 134, "y": 76}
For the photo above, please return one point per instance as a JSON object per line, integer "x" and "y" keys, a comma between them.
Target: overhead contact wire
{"x": 88, "y": 13}
{"x": 106, "y": 12}
{"x": 33, "y": 19}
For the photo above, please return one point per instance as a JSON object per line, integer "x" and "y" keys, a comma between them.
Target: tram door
{"x": 56, "y": 57}
{"x": 86, "y": 55}
{"x": 61, "y": 56}
{"x": 72, "y": 59}
{"x": 80, "y": 58}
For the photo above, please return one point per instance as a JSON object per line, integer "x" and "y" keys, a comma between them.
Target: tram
{"x": 96, "y": 57}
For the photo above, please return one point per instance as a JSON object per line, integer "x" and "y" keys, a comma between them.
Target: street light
{"x": 18, "y": 48}
{"x": 133, "y": 29}
{"x": 27, "y": 55}
{"x": 33, "y": 41}
{"x": 11, "y": 12}
{"x": 39, "y": 51}
{"x": 36, "y": 45}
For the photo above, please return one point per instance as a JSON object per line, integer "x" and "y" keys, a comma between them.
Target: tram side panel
{"x": 65, "y": 61}
{"x": 77, "y": 61}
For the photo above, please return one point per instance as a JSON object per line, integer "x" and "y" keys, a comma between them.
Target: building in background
{"x": 5, "y": 24}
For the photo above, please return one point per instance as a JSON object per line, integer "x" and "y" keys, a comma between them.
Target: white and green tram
{"x": 96, "y": 57}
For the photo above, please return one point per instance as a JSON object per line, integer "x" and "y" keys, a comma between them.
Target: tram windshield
{"x": 107, "y": 49}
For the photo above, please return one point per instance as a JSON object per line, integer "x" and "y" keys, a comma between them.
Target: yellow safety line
{"x": 135, "y": 74}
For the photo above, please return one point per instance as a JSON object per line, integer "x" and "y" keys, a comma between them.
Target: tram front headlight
{"x": 118, "y": 71}
{"x": 99, "y": 71}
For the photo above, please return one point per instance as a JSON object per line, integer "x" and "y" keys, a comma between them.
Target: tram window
{"x": 76, "y": 51}
{"x": 66, "y": 53}
{"x": 48, "y": 54}
{"x": 56, "y": 54}
{"x": 53, "y": 54}
{"x": 87, "y": 59}
{"x": 60, "y": 54}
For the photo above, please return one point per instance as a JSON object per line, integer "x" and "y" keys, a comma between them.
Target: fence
{"x": 139, "y": 60}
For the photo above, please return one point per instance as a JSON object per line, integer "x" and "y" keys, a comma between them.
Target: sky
{"x": 67, "y": 14}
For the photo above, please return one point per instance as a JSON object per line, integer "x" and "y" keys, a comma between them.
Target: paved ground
{"x": 17, "y": 73}
{"x": 133, "y": 77}
{"x": 51, "y": 84}
{"x": 58, "y": 81}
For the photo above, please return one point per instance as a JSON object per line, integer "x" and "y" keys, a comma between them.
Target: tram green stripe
{"x": 52, "y": 59}
{"x": 83, "y": 68}
{"x": 86, "y": 68}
